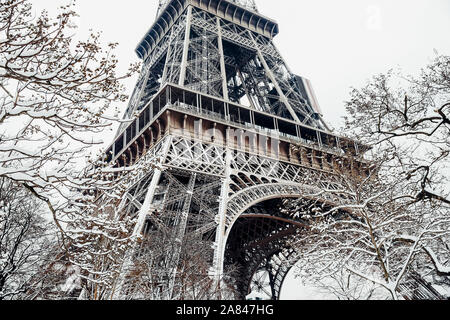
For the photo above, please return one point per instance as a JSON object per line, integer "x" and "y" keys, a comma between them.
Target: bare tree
{"x": 155, "y": 275}
{"x": 55, "y": 98}
{"x": 390, "y": 224}
{"x": 25, "y": 239}
{"x": 408, "y": 118}
{"x": 56, "y": 279}
{"x": 373, "y": 232}
{"x": 343, "y": 285}
{"x": 99, "y": 231}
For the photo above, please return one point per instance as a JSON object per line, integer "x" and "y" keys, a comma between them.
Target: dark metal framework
{"x": 228, "y": 130}
{"x": 225, "y": 50}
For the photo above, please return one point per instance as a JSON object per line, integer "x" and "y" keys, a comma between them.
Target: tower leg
{"x": 142, "y": 215}
{"x": 219, "y": 245}
{"x": 181, "y": 231}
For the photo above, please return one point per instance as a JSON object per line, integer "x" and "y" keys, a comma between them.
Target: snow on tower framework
{"x": 230, "y": 132}
{"x": 249, "y": 4}
{"x": 234, "y": 70}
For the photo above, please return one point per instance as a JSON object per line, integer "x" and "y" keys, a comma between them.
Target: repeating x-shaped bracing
{"x": 196, "y": 156}
{"x": 215, "y": 56}
{"x": 203, "y": 69}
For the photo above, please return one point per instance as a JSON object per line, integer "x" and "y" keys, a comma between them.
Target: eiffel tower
{"x": 234, "y": 133}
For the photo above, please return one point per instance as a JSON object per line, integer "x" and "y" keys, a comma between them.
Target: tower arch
{"x": 258, "y": 254}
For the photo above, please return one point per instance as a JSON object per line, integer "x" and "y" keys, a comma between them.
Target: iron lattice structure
{"x": 232, "y": 132}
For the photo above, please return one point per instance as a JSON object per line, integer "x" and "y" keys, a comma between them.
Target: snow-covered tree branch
{"x": 56, "y": 99}
{"x": 55, "y": 96}
{"x": 389, "y": 226}
{"x": 25, "y": 239}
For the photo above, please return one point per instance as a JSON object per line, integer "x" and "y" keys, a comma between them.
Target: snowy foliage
{"x": 407, "y": 119}
{"x": 25, "y": 238}
{"x": 390, "y": 223}
{"x": 55, "y": 102}
{"x": 374, "y": 236}
{"x": 55, "y": 96}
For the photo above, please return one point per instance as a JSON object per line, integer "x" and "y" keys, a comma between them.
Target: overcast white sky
{"x": 336, "y": 44}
